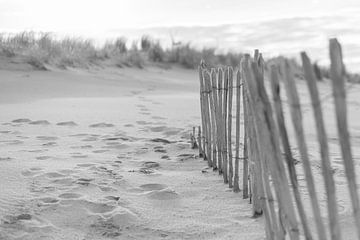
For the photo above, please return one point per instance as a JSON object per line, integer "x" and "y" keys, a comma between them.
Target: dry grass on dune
{"x": 41, "y": 49}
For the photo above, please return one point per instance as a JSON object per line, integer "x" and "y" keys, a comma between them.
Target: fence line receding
{"x": 244, "y": 136}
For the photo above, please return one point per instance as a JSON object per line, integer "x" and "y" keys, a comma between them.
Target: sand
{"x": 105, "y": 154}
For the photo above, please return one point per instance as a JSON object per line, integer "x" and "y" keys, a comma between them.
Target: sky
{"x": 275, "y": 26}
{"x": 89, "y": 16}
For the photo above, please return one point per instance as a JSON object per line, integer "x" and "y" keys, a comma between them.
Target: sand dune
{"x": 104, "y": 154}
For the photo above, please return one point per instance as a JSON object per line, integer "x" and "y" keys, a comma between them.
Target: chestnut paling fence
{"x": 269, "y": 177}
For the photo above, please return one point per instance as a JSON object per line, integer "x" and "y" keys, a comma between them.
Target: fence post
{"x": 270, "y": 144}
{"x": 295, "y": 109}
{"x": 337, "y": 72}
{"x": 275, "y": 86}
{"x": 220, "y": 120}
{"x": 199, "y": 142}
{"x": 324, "y": 149}
{"x": 202, "y": 107}
{"x": 206, "y": 79}
{"x": 230, "y": 99}
{"x": 257, "y": 155}
{"x": 224, "y": 120}
{"x": 246, "y": 115}
{"x": 214, "y": 125}
{"x": 237, "y": 137}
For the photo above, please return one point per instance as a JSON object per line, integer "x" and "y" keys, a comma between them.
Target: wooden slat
{"x": 275, "y": 86}
{"x": 224, "y": 120}
{"x": 237, "y": 130}
{"x": 230, "y": 100}
{"x": 270, "y": 144}
{"x": 207, "y": 79}
{"x": 324, "y": 149}
{"x": 337, "y": 72}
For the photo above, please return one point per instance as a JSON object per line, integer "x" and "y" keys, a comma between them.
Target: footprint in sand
{"x": 28, "y": 173}
{"x": 36, "y": 169}
{"x": 64, "y": 181}
{"x": 5, "y": 159}
{"x": 160, "y": 150}
{"x": 116, "y": 138}
{"x": 118, "y": 146}
{"x": 67, "y": 171}
{"x": 84, "y": 181}
{"x": 21, "y": 120}
{"x": 22, "y": 137}
{"x": 158, "y": 129}
{"x": 158, "y": 118}
{"x": 31, "y": 172}
{"x": 82, "y": 147}
{"x": 107, "y": 189}
{"x": 49, "y": 200}
{"x": 43, "y": 157}
{"x": 47, "y": 138}
{"x": 112, "y": 198}
{"x": 40, "y": 122}
{"x": 6, "y": 131}
{"x": 101, "y": 125}
{"x": 14, "y": 219}
{"x": 13, "y": 142}
{"x": 153, "y": 186}
{"x": 54, "y": 175}
{"x": 143, "y": 122}
{"x": 95, "y": 207}
{"x": 100, "y": 151}
{"x": 38, "y": 150}
{"x": 163, "y": 194}
{"x": 172, "y": 131}
{"x": 160, "y": 140}
{"x": 49, "y": 144}
{"x": 68, "y": 124}
{"x": 78, "y": 155}
{"x": 151, "y": 164}
{"x": 186, "y": 156}
{"x": 70, "y": 195}
{"x": 85, "y": 165}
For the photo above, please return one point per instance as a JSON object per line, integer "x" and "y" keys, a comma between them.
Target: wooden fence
{"x": 269, "y": 177}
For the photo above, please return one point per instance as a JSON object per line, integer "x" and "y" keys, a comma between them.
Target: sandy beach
{"x": 105, "y": 154}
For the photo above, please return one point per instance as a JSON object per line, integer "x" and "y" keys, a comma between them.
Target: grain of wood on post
{"x": 213, "y": 104}
{"x": 270, "y": 140}
{"x": 230, "y": 118}
{"x": 207, "y": 79}
{"x": 275, "y": 86}
{"x": 296, "y": 116}
{"x": 224, "y": 123}
{"x": 337, "y": 73}
{"x": 324, "y": 149}
{"x": 199, "y": 142}
{"x": 202, "y": 107}
{"x": 256, "y": 152}
{"x": 220, "y": 119}
{"x": 246, "y": 114}
{"x": 236, "y": 187}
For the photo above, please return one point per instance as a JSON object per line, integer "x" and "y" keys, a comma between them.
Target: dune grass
{"x": 42, "y": 49}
